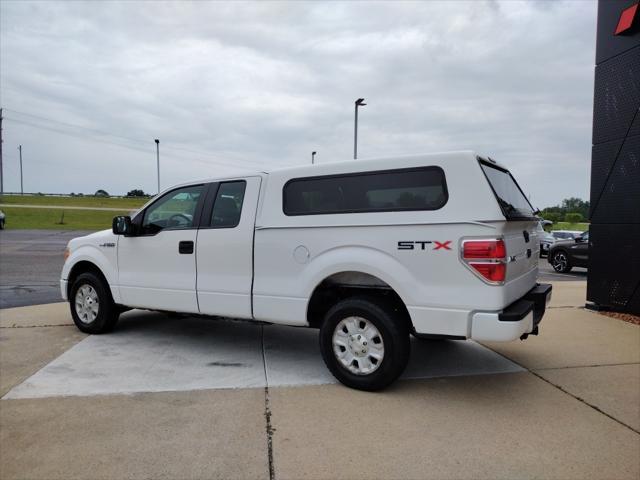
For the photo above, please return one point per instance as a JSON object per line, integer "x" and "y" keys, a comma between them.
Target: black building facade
{"x": 614, "y": 250}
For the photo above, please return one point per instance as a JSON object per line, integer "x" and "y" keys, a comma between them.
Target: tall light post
{"x": 359, "y": 103}
{"x": 158, "y": 161}
{"x": 313, "y": 157}
{"x": 21, "y": 188}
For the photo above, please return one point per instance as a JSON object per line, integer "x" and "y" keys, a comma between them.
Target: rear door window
{"x": 227, "y": 208}
{"x": 512, "y": 201}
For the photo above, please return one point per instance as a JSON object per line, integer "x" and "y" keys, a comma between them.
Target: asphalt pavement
{"x": 30, "y": 265}
{"x": 546, "y": 273}
{"x": 31, "y": 261}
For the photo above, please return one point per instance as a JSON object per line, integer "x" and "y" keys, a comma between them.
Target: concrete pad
{"x": 493, "y": 426}
{"x": 24, "y": 351}
{"x": 149, "y": 352}
{"x": 293, "y": 358}
{"x": 568, "y": 294}
{"x": 613, "y": 389}
{"x": 208, "y": 434}
{"x": 52, "y": 314}
{"x": 571, "y": 337}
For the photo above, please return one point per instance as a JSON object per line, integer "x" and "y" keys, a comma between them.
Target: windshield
{"x": 513, "y": 203}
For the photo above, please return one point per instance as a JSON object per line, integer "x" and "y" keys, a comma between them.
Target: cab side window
{"x": 227, "y": 207}
{"x": 175, "y": 210}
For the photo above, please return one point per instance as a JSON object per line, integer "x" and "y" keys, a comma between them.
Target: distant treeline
{"x": 572, "y": 210}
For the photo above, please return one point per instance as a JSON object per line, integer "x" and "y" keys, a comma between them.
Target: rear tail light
{"x": 487, "y": 258}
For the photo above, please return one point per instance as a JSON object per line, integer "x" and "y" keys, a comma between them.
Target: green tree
{"x": 573, "y": 217}
{"x": 568, "y": 205}
{"x": 551, "y": 216}
{"x": 136, "y": 193}
{"x": 575, "y": 205}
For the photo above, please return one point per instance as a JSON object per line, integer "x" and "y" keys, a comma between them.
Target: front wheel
{"x": 92, "y": 307}
{"x": 560, "y": 262}
{"x": 364, "y": 343}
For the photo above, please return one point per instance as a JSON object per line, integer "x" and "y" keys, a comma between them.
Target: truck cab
{"x": 367, "y": 251}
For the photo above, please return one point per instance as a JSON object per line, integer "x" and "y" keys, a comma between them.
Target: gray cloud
{"x": 257, "y": 85}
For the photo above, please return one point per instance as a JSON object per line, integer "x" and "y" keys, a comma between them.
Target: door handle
{"x": 186, "y": 247}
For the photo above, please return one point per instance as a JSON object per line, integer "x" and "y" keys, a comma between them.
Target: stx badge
{"x": 422, "y": 245}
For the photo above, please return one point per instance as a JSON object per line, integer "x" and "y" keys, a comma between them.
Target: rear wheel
{"x": 364, "y": 343}
{"x": 560, "y": 262}
{"x": 92, "y": 307}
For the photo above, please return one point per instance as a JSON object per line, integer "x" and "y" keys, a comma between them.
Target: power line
{"x": 136, "y": 148}
{"x": 101, "y": 132}
{"x": 72, "y": 134}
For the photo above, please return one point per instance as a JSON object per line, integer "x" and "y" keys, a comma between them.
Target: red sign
{"x": 626, "y": 19}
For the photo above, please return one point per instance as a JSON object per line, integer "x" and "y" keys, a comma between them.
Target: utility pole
{"x": 21, "y": 187}
{"x": 313, "y": 157}
{"x": 359, "y": 103}
{"x": 158, "y": 161}
{"x": 1, "y": 171}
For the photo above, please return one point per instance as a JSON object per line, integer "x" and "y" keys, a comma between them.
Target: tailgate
{"x": 522, "y": 245}
{"x": 519, "y": 230}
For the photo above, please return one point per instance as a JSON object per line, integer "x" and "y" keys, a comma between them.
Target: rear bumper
{"x": 515, "y": 321}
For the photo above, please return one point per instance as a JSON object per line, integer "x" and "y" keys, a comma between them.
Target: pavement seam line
{"x": 580, "y": 399}
{"x": 40, "y": 326}
{"x": 267, "y": 410}
{"x": 567, "y": 306}
{"x": 586, "y": 366}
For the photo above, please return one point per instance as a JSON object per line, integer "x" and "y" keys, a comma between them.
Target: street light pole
{"x": 313, "y": 157}
{"x": 21, "y": 188}
{"x": 158, "y": 161}
{"x": 359, "y": 103}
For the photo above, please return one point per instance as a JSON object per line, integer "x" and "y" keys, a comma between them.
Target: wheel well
{"x": 80, "y": 268}
{"x": 342, "y": 285}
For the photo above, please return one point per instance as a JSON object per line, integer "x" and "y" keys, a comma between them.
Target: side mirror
{"x": 122, "y": 225}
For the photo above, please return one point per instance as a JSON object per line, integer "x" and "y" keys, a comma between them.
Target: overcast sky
{"x": 86, "y": 88}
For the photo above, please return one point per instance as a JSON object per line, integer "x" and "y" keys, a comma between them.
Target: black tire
{"x": 392, "y": 329}
{"x": 107, "y": 312}
{"x": 560, "y": 261}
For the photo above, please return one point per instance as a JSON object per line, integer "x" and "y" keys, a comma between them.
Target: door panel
{"x": 154, "y": 274}
{"x": 157, "y": 268}
{"x": 580, "y": 254}
{"x": 224, "y": 250}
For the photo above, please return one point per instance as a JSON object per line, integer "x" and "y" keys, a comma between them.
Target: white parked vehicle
{"x": 367, "y": 251}
{"x": 560, "y": 235}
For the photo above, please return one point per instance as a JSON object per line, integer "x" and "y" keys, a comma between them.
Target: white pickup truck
{"x": 367, "y": 251}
